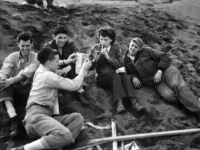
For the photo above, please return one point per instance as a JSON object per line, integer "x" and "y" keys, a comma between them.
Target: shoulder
{"x": 96, "y": 46}
{"x": 33, "y": 55}
{"x": 147, "y": 49}
{"x": 13, "y": 55}
{"x": 71, "y": 45}
{"x": 48, "y": 44}
{"x": 116, "y": 46}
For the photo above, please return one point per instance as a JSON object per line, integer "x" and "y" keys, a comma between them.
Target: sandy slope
{"x": 164, "y": 26}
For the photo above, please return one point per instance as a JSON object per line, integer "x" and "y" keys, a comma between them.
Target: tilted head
{"x": 135, "y": 45}
{"x": 60, "y": 36}
{"x": 49, "y": 58}
{"x": 25, "y": 44}
{"x": 107, "y": 36}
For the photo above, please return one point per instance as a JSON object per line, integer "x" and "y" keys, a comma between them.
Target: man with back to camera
{"x": 16, "y": 76}
{"x": 42, "y": 118}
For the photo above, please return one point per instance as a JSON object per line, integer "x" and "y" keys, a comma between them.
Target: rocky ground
{"x": 170, "y": 26}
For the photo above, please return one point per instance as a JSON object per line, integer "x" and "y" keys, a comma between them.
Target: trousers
{"x": 54, "y": 132}
{"x": 174, "y": 89}
{"x": 119, "y": 84}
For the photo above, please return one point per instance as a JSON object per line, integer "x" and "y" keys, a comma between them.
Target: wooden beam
{"x": 138, "y": 136}
{"x": 144, "y": 135}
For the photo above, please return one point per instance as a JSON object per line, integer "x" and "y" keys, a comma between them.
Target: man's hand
{"x": 158, "y": 76}
{"x": 136, "y": 82}
{"x": 104, "y": 52}
{"x": 6, "y": 83}
{"x": 58, "y": 72}
{"x": 86, "y": 65}
{"x": 71, "y": 59}
{"x": 66, "y": 70}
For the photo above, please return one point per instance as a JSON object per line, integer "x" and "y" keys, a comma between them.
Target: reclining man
{"x": 16, "y": 76}
{"x": 42, "y": 111}
{"x": 153, "y": 68}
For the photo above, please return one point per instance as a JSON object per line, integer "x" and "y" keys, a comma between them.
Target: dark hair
{"x": 24, "y": 36}
{"x": 108, "y": 31}
{"x": 46, "y": 54}
{"x": 60, "y": 29}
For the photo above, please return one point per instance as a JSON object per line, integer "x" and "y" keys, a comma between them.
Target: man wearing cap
{"x": 65, "y": 49}
{"x": 16, "y": 77}
{"x": 150, "y": 67}
{"x": 43, "y": 119}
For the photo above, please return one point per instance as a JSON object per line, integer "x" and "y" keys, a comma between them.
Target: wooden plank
{"x": 138, "y": 136}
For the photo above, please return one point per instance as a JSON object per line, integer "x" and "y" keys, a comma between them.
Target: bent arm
{"x": 116, "y": 62}
{"x": 162, "y": 58}
{"x": 8, "y": 65}
{"x": 29, "y": 71}
{"x": 64, "y": 83}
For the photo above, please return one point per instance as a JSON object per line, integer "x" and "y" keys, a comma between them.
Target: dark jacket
{"x": 68, "y": 49}
{"x": 104, "y": 65}
{"x": 146, "y": 63}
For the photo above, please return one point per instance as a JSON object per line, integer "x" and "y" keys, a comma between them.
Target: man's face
{"x": 105, "y": 41}
{"x": 133, "y": 48}
{"x": 25, "y": 47}
{"x": 60, "y": 39}
{"x": 53, "y": 64}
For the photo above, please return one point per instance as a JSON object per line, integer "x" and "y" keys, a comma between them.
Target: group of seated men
{"x": 42, "y": 74}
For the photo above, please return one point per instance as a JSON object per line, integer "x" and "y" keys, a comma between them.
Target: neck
{"x": 46, "y": 66}
{"x": 24, "y": 56}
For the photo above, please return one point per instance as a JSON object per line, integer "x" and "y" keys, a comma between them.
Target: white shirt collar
{"x": 108, "y": 49}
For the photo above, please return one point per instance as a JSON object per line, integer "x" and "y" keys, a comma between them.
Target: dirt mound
{"x": 157, "y": 28}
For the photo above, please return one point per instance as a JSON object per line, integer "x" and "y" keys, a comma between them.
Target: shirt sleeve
{"x": 30, "y": 69}
{"x": 162, "y": 58}
{"x": 8, "y": 65}
{"x": 56, "y": 81}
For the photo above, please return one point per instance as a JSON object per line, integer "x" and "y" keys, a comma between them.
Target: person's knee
{"x": 67, "y": 138}
{"x": 168, "y": 96}
{"x": 60, "y": 138}
{"x": 79, "y": 118}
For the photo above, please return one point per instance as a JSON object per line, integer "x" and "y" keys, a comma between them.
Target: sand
{"x": 170, "y": 27}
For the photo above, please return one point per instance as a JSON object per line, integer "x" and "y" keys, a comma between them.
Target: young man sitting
{"x": 16, "y": 77}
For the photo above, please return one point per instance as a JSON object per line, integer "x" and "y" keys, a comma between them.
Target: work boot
{"x": 137, "y": 106}
{"x": 120, "y": 107}
{"x": 14, "y": 127}
{"x": 18, "y": 148}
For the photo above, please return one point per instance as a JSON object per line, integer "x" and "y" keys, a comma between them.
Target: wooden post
{"x": 114, "y": 133}
{"x": 122, "y": 145}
